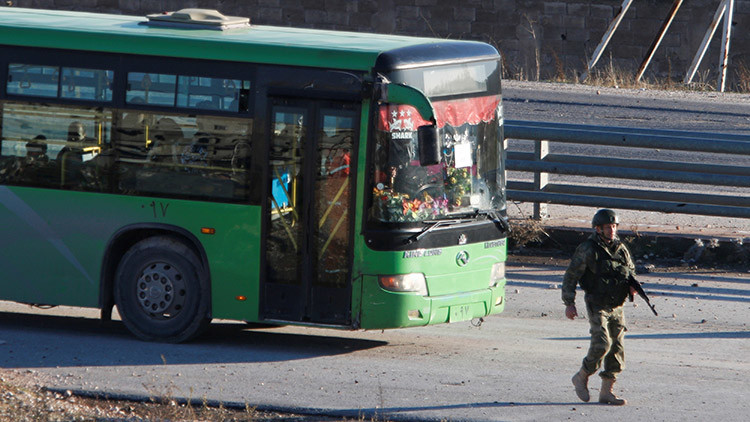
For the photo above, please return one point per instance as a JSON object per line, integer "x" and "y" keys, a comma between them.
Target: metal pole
{"x": 725, "y": 45}
{"x": 706, "y": 41}
{"x": 608, "y": 35}
{"x": 541, "y": 150}
{"x": 668, "y": 21}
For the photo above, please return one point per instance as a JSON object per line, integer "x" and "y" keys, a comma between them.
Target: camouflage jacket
{"x": 602, "y": 271}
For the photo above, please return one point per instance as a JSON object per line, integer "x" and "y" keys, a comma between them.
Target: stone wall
{"x": 548, "y": 38}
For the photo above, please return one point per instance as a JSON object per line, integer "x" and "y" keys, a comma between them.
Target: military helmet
{"x": 604, "y": 216}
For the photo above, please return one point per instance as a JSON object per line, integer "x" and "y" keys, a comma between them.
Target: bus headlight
{"x": 497, "y": 274}
{"x": 414, "y": 282}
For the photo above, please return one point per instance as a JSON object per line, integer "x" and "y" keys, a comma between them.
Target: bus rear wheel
{"x": 160, "y": 291}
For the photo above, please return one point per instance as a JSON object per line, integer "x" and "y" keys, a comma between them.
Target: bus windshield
{"x": 469, "y": 177}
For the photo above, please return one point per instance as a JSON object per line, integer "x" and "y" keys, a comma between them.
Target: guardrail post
{"x": 541, "y": 150}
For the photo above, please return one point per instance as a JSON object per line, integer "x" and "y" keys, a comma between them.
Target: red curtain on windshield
{"x": 397, "y": 117}
{"x": 468, "y": 110}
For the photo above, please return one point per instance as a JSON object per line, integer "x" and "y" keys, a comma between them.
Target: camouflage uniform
{"x": 602, "y": 271}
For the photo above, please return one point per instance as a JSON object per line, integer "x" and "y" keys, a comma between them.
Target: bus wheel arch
{"x": 176, "y": 248}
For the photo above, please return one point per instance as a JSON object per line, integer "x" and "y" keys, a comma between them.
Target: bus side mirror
{"x": 404, "y": 94}
{"x": 427, "y": 135}
{"x": 429, "y": 145}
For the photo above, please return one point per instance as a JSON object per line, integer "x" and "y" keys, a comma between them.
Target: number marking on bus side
{"x": 159, "y": 208}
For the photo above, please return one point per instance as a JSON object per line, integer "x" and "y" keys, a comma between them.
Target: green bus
{"x": 188, "y": 165}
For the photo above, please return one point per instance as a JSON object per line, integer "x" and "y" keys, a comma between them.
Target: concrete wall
{"x": 559, "y": 35}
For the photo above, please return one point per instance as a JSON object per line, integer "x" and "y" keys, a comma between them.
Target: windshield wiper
{"x": 501, "y": 222}
{"x": 469, "y": 217}
{"x": 489, "y": 214}
{"x": 433, "y": 224}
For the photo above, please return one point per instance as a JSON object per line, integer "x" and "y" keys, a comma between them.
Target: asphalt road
{"x": 635, "y": 108}
{"x": 689, "y": 363}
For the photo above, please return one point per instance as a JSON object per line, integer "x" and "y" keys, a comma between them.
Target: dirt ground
{"x": 22, "y": 398}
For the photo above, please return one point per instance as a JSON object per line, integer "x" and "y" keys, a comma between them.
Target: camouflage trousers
{"x": 607, "y": 341}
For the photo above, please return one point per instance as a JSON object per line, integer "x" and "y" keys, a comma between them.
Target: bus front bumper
{"x": 382, "y": 309}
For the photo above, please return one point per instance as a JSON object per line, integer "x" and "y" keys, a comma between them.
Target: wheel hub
{"x": 160, "y": 289}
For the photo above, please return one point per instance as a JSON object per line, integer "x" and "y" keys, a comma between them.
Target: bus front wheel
{"x": 160, "y": 292}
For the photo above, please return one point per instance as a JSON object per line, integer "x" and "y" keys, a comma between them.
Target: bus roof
{"x": 257, "y": 44}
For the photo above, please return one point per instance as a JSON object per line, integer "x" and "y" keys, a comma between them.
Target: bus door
{"x": 307, "y": 259}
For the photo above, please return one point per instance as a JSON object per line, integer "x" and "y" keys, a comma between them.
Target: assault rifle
{"x": 636, "y": 285}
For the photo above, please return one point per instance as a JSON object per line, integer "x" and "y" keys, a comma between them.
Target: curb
{"x": 359, "y": 414}
{"x": 682, "y": 249}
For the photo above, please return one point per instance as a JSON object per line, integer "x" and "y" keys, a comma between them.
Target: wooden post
{"x": 725, "y": 45}
{"x": 608, "y": 35}
{"x": 706, "y": 41}
{"x": 667, "y": 22}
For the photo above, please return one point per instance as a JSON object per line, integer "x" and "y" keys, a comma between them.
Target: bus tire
{"x": 160, "y": 291}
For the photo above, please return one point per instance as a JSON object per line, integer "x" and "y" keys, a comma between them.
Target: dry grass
{"x": 610, "y": 75}
{"x": 33, "y": 403}
{"x": 23, "y": 400}
{"x": 526, "y": 231}
{"x": 743, "y": 78}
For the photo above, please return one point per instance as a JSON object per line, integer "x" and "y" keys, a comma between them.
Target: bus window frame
{"x": 58, "y": 58}
{"x": 198, "y": 68}
{"x": 124, "y": 64}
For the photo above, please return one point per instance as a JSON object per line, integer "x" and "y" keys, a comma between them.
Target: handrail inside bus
{"x": 284, "y": 223}
{"x": 333, "y": 202}
{"x": 333, "y": 233}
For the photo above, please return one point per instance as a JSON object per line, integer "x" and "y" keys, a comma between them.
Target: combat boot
{"x": 606, "y": 395}
{"x": 581, "y": 383}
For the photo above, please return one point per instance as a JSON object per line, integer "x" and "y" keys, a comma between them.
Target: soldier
{"x": 601, "y": 264}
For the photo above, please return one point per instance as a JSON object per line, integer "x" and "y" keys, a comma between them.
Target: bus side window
{"x": 130, "y": 133}
{"x": 166, "y": 137}
{"x": 201, "y": 145}
{"x": 241, "y": 156}
{"x": 44, "y": 153}
{"x": 70, "y": 157}
{"x": 35, "y": 168}
{"x": 85, "y": 161}
{"x": 187, "y": 156}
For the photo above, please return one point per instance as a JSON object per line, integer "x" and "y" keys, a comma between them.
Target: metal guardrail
{"x": 696, "y": 176}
